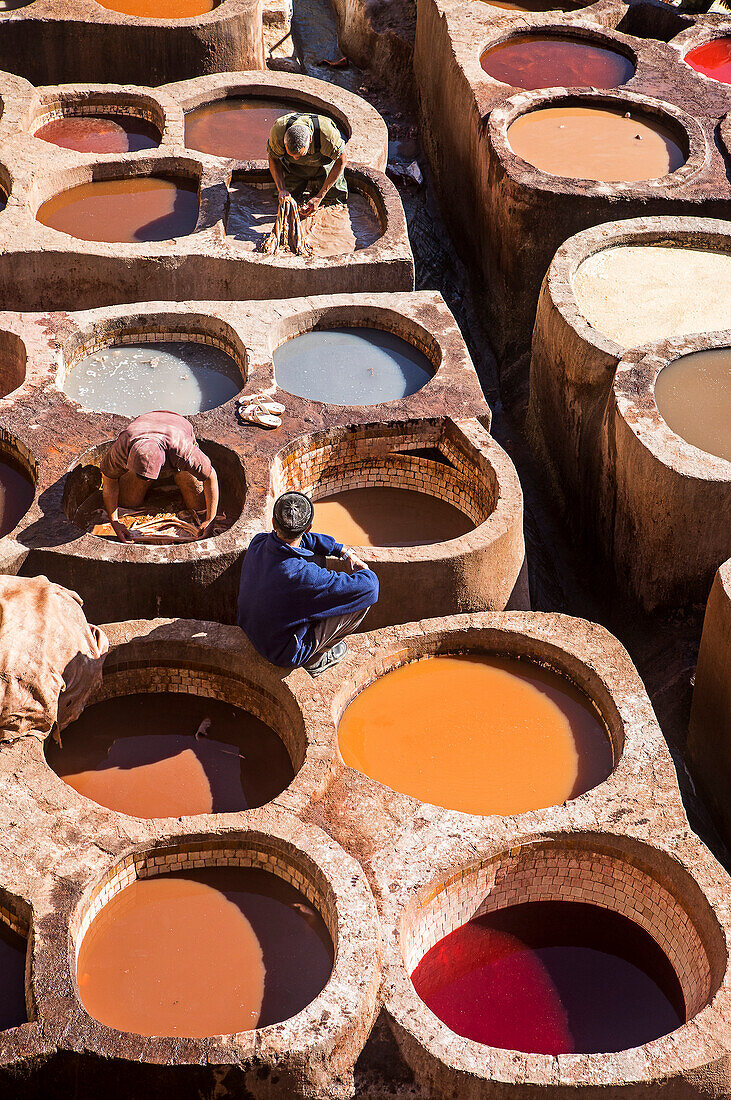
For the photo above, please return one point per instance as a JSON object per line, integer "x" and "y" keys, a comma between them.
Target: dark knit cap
{"x": 293, "y": 513}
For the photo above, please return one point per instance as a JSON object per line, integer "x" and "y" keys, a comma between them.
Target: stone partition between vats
{"x": 493, "y": 200}
{"x": 652, "y": 505}
{"x": 54, "y": 41}
{"x": 477, "y": 571}
{"x": 390, "y": 876}
{"x": 709, "y": 734}
{"x": 44, "y": 268}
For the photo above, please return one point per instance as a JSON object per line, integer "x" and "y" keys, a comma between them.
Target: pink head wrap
{"x": 146, "y": 458}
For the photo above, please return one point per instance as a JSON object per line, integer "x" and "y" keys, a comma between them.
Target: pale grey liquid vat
{"x": 341, "y": 366}
{"x": 184, "y": 377}
{"x": 693, "y": 394}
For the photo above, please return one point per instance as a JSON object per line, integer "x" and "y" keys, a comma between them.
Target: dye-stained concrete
{"x": 465, "y": 116}
{"x": 389, "y": 875}
{"x": 709, "y": 736}
{"x": 648, "y": 503}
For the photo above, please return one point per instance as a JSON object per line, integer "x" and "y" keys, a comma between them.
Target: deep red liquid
{"x": 12, "y": 978}
{"x": 713, "y": 59}
{"x": 117, "y": 751}
{"x": 538, "y": 61}
{"x": 552, "y": 978}
{"x": 100, "y": 134}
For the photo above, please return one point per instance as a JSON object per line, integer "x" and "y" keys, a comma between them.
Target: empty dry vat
{"x": 578, "y": 891}
{"x": 455, "y": 462}
{"x": 611, "y": 289}
{"x": 150, "y": 43}
{"x": 709, "y": 734}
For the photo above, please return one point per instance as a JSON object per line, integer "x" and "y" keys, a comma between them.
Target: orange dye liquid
{"x": 594, "y": 143}
{"x": 203, "y": 953}
{"x": 389, "y": 517}
{"x": 160, "y": 9}
{"x": 141, "y": 208}
{"x": 485, "y": 735}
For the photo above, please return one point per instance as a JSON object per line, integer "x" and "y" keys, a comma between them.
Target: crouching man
{"x": 295, "y": 612}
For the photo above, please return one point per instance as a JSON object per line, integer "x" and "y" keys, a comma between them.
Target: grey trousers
{"x": 326, "y": 632}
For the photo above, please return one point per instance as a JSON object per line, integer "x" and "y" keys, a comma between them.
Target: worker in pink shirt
{"x": 158, "y": 446}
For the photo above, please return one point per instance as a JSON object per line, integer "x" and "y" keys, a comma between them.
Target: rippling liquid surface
{"x": 552, "y": 977}
{"x": 485, "y": 735}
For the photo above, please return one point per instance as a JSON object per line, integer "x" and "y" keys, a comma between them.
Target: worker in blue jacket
{"x": 294, "y": 611}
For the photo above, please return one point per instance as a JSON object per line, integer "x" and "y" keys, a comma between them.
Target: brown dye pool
{"x": 480, "y": 734}
{"x": 160, "y": 9}
{"x": 595, "y": 143}
{"x": 237, "y": 127}
{"x": 199, "y": 953}
{"x": 12, "y": 978}
{"x": 16, "y": 495}
{"x": 389, "y": 517}
{"x": 693, "y": 394}
{"x": 552, "y": 977}
{"x": 139, "y": 754}
{"x": 100, "y": 133}
{"x": 544, "y": 61}
{"x": 332, "y": 230}
{"x": 141, "y": 208}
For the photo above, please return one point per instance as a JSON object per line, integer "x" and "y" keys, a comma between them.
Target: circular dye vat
{"x": 544, "y": 61}
{"x": 389, "y": 517}
{"x": 16, "y": 495}
{"x": 552, "y": 977}
{"x": 160, "y": 9}
{"x": 351, "y": 366}
{"x": 182, "y": 376}
{"x": 12, "y": 978}
{"x": 693, "y": 394}
{"x": 167, "y": 754}
{"x": 236, "y": 127}
{"x": 199, "y": 953}
{"x": 595, "y": 143}
{"x": 638, "y": 294}
{"x": 480, "y": 734}
{"x": 126, "y": 211}
{"x": 100, "y": 133}
{"x": 712, "y": 59}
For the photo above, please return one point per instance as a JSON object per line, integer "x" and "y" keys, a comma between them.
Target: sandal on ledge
{"x": 263, "y": 399}
{"x": 257, "y": 414}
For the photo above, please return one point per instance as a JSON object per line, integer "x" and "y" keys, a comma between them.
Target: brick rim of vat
{"x": 672, "y": 1054}
{"x": 667, "y": 114}
{"x": 634, "y": 396}
{"x": 155, "y": 163}
{"x": 417, "y": 433}
{"x": 619, "y": 43}
{"x": 623, "y": 44}
{"x": 332, "y": 881}
{"x": 137, "y": 664}
{"x": 368, "y": 140}
{"x": 51, "y": 102}
{"x": 701, "y": 233}
{"x": 583, "y": 653}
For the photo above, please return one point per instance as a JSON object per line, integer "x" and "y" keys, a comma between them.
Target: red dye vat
{"x": 712, "y": 59}
{"x": 100, "y": 134}
{"x": 552, "y": 977}
{"x": 12, "y": 978}
{"x": 539, "y": 61}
